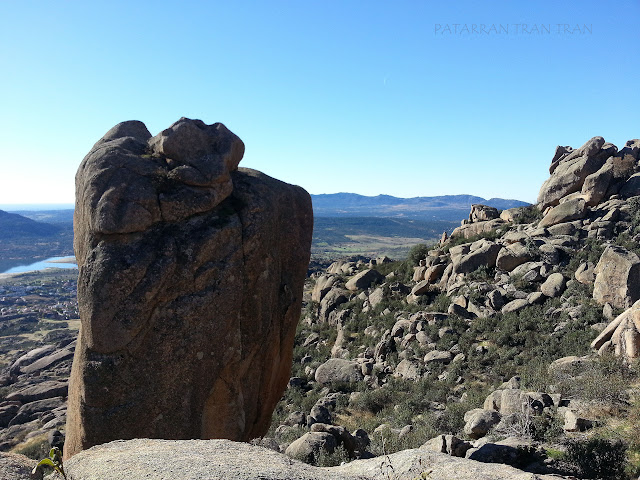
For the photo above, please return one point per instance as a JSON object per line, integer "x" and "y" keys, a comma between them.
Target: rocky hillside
{"x": 515, "y": 341}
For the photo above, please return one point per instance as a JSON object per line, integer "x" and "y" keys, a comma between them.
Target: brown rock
{"x": 622, "y": 335}
{"x": 595, "y": 186}
{"x": 617, "y": 277}
{"x": 512, "y": 256}
{"x": 482, "y": 213}
{"x": 189, "y": 290}
{"x": 570, "y": 173}
{"x": 364, "y": 279}
{"x": 565, "y": 212}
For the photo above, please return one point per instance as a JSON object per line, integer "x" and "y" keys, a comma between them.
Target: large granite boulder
{"x": 622, "y": 335}
{"x": 568, "y": 211}
{"x": 617, "y": 277}
{"x": 572, "y": 168}
{"x": 482, "y": 213}
{"x": 222, "y": 459}
{"x": 189, "y": 291}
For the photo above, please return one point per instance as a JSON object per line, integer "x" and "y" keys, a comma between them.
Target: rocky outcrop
{"x": 571, "y": 168}
{"x": 222, "y": 459}
{"x": 189, "y": 290}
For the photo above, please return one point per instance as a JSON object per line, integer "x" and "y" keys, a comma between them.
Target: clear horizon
{"x": 407, "y": 99}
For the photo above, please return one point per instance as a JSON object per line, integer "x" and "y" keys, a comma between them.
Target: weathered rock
{"x": 338, "y": 370}
{"x": 585, "y": 273}
{"x": 330, "y": 301}
{"x": 622, "y": 335}
{"x": 421, "y": 288}
{"x": 495, "y": 299}
{"x": 631, "y": 187}
{"x": 513, "y": 255}
{"x": 221, "y": 460}
{"x": 482, "y": 213}
{"x": 595, "y": 186}
{"x": 472, "y": 229}
{"x": 438, "y": 356}
{"x": 189, "y": 291}
{"x": 418, "y": 273}
{"x": 433, "y": 273}
{"x": 479, "y": 422}
{"x": 570, "y": 173}
{"x": 565, "y": 212}
{"x": 7, "y": 412}
{"x": 449, "y": 444}
{"x": 573, "y": 422}
{"x": 554, "y": 285}
{"x": 31, "y": 411}
{"x": 376, "y": 297}
{"x": 48, "y": 360}
{"x": 515, "y": 305}
{"x": 323, "y": 285}
{"x": 364, "y": 279}
{"x": 617, "y": 277}
{"x": 308, "y": 447}
{"x": 14, "y": 466}
{"x": 30, "y": 357}
{"x": 40, "y": 391}
{"x": 408, "y": 369}
{"x": 482, "y": 253}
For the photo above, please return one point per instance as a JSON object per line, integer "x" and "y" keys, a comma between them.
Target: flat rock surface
{"x": 16, "y": 467}
{"x": 223, "y": 459}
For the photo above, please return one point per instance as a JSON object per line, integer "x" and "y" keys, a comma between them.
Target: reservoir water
{"x": 53, "y": 262}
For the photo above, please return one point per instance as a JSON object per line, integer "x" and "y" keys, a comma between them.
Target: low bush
{"x": 597, "y": 458}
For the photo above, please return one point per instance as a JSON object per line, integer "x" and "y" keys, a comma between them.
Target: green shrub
{"x": 418, "y": 252}
{"x": 528, "y": 214}
{"x": 598, "y": 458}
{"x": 335, "y": 458}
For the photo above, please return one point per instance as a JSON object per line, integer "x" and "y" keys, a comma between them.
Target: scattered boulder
{"x": 40, "y": 391}
{"x": 481, "y": 253}
{"x": 554, "y": 285}
{"x": 617, "y": 277}
{"x": 565, "y": 212}
{"x": 449, "y": 444}
{"x": 479, "y": 421}
{"x": 482, "y": 213}
{"x": 622, "y": 335}
{"x": 512, "y": 256}
{"x": 595, "y": 186}
{"x": 308, "y": 447}
{"x": 338, "y": 370}
{"x": 585, "y": 273}
{"x": 364, "y": 279}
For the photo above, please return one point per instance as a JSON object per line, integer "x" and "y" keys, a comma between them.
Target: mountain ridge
{"x": 442, "y": 207}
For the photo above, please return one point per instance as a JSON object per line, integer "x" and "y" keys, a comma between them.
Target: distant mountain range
{"x": 14, "y": 226}
{"x": 446, "y": 207}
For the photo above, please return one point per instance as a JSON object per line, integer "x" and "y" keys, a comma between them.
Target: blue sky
{"x": 360, "y": 96}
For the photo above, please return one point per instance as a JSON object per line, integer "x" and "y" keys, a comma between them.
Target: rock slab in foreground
{"x": 221, "y": 459}
{"x": 190, "y": 286}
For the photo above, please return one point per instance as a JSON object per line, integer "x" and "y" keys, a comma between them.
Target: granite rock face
{"x": 190, "y": 286}
{"x": 222, "y": 459}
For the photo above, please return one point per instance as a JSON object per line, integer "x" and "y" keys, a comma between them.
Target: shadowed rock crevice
{"x": 189, "y": 290}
